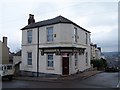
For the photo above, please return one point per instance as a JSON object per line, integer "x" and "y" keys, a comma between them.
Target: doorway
{"x": 65, "y": 65}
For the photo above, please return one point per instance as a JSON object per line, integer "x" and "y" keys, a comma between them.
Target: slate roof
{"x": 18, "y": 53}
{"x": 56, "y": 20}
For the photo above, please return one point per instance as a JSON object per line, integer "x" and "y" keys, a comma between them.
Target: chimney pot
{"x": 5, "y": 40}
{"x": 95, "y": 45}
{"x": 31, "y": 19}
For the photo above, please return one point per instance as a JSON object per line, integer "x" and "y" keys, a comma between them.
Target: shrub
{"x": 99, "y": 63}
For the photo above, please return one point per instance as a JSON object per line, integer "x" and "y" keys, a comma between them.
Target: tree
{"x": 100, "y": 64}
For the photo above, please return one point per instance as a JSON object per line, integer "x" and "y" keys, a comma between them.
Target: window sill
{"x": 29, "y": 66}
{"x": 29, "y": 43}
{"x": 50, "y": 68}
{"x": 76, "y": 67}
{"x": 48, "y": 42}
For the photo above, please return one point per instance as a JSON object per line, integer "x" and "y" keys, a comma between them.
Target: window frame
{"x": 76, "y": 59}
{"x": 50, "y": 35}
{"x": 9, "y": 67}
{"x": 86, "y": 55}
{"x": 50, "y": 61}
{"x": 29, "y": 36}
{"x": 29, "y": 59}
{"x": 75, "y": 35}
{"x": 86, "y": 38}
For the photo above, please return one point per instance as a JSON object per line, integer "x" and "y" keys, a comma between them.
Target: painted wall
{"x": 93, "y": 53}
{"x": 57, "y": 64}
{"x": 98, "y": 54}
{"x": 34, "y": 37}
{"x": 16, "y": 59}
{"x": 43, "y": 34}
{"x": 24, "y": 65}
{"x": 82, "y": 65}
{"x": 64, "y": 37}
{"x": 29, "y": 47}
{"x": 42, "y": 61}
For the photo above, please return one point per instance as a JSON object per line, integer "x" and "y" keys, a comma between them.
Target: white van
{"x": 7, "y": 71}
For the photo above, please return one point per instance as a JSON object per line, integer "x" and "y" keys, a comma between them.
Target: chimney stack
{"x": 31, "y": 19}
{"x": 5, "y": 40}
{"x": 95, "y": 45}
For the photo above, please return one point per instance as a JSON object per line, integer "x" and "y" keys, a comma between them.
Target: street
{"x": 101, "y": 80}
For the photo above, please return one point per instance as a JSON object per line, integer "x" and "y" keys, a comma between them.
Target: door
{"x": 65, "y": 65}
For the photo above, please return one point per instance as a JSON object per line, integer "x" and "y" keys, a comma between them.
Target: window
{"x": 75, "y": 35}
{"x": 76, "y": 59}
{"x": 86, "y": 38}
{"x": 29, "y": 36}
{"x": 29, "y": 55}
{"x": 86, "y": 58}
{"x": 50, "y": 60}
{"x": 50, "y": 34}
{"x": 9, "y": 67}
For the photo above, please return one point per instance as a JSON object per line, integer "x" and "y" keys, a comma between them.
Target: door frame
{"x": 63, "y": 68}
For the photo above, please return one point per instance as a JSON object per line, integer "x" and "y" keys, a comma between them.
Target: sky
{"x": 100, "y": 17}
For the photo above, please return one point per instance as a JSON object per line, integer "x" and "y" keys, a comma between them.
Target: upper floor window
{"x": 75, "y": 35}
{"x": 29, "y": 58}
{"x": 29, "y": 36}
{"x": 50, "y": 62}
{"x": 86, "y": 38}
{"x": 50, "y": 34}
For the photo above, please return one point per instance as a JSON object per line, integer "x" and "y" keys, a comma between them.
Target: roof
{"x": 18, "y": 53}
{"x": 56, "y": 20}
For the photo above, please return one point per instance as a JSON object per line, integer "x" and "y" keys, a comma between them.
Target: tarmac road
{"x": 101, "y": 80}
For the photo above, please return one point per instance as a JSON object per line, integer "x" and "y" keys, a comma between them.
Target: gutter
{"x": 38, "y": 52}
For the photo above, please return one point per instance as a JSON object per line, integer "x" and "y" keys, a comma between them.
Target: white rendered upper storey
{"x": 56, "y": 32}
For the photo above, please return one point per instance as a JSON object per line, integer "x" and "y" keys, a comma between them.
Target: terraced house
{"x": 54, "y": 46}
{"x": 95, "y": 52}
{"x": 4, "y": 52}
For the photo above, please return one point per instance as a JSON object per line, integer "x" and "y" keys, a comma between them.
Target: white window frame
{"x": 50, "y": 35}
{"x": 29, "y": 37}
{"x": 29, "y": 59}
{"x": 76, "y": 59}
{"x": 86, "y": 55}
{"x": 86, "y": 38}
{"x": 50, "y": 61}
{"x": 75, "y": 35}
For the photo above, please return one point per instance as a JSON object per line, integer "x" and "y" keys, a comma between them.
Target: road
{"x": 101, "y": 80}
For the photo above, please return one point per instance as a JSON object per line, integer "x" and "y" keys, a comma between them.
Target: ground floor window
{"x": 50, "y": 62}
{"x": 86, "y": 58}
{"x": 76, "y": 59}
{"x": 29, "y": 58}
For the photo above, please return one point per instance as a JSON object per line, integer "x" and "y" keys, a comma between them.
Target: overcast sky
{"x": 100, "y": 17}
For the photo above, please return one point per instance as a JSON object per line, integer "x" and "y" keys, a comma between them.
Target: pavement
{"x": 81, "y": 76}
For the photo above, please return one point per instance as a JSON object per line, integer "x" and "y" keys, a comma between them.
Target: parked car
{"x": 112, "y": 69}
